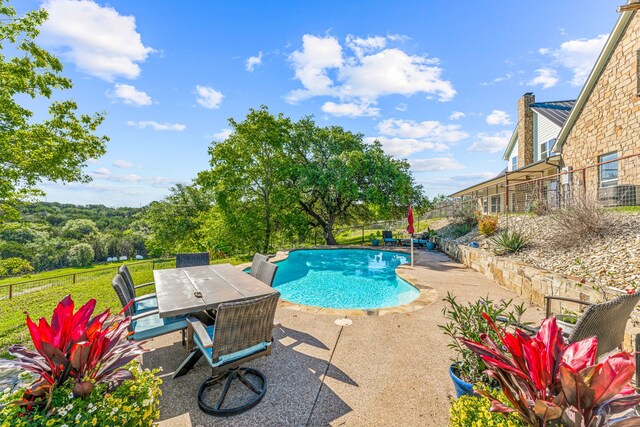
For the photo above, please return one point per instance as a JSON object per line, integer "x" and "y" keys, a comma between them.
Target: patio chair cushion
{"x": 146, "y": 305}
{"x": 388, "y": 239}
{"x": 154, "y": 325}
{"x": 227, "y": 358}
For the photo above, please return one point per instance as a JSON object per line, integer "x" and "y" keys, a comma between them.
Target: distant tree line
{"x": 53, "y": 235}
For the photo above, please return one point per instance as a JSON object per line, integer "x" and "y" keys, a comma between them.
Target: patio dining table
{"x": 193, "y": 289}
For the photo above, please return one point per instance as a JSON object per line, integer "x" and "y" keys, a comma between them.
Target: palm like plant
{"x": 547, "y": 381}
{"x": 74, "y": 345}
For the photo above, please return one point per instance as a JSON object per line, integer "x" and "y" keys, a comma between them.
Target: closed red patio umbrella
{"x": 410, "y": 230}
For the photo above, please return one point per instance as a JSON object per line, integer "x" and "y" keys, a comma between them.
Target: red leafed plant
{"x": 549, "y": 382}
{"x": 74, "y": 345}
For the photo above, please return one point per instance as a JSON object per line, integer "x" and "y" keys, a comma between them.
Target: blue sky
{"x": 436, "y": 81}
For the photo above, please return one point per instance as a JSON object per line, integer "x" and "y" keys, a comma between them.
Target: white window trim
{"x": 611, "y": 182}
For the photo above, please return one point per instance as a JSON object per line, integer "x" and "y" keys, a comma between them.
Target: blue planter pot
{"x": 375, "y": 242}
{"x": 431, "y": 246}
{"x": 462, "y": 388}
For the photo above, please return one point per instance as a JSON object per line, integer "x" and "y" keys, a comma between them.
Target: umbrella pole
{"x": 412, "y": 250}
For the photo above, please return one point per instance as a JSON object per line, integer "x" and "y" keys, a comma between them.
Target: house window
{"x": 545, "y": 149}
{"x": 485, "y": 207}
{"x": 495, "y": 204}
{"x": 514, "y": 163}
{"x": 608, "y": 171}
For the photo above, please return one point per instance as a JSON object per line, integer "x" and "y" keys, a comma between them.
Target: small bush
{"x": 459, "y": 230}
{"x": 81, "y": 255}
{"x": 581, "y": 217}
{"x": 488, "y": 225}
{"x": 509, "y": 241}
{"x": 465, "y": 213}
{"x": 14, "y": 266}
{"x": 475, "y": 411}
{"x": 133, "y": 403}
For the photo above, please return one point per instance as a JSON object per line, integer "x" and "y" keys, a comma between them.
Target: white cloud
{"x": 401, "y": 107}
{"x": 430, "y": 129}
{"x": 222, "y": 135}
{"x": 545, "y": 77}
{"x": 364, "y": 70}
{"x": 311, "y": 66}
{"x": 435, "y": 164}
{"x": 403, "y": 147}
{"x": 491, "y": 142}
{"x": 102, "y": 172}
{"x": 579, "y": 56}
{"x": 208, "y": 97}
{"x": 457, "y": 115}
{"x": 130, "y": 95}
{"x": 97, "y": 39}
{"x": 123, "y": 164}
{"x": 458, "y": 181}
{"x": 402, "y": 138}
{"x": 503, "y": 78}
{"x": 349, "y": 109}
{"x": 157, "y": 126}
{"x": 498, "y": 117}
{"x": 253, "y": 61}
{"x": 361, "y": 46}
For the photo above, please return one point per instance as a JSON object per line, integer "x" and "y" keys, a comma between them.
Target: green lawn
{"x": 70, "y": 270}
{"x": 625, "y": 209}
{"x": 41, "y": 302}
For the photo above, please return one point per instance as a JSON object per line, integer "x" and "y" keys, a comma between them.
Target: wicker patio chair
{"x": 266, "y": 272}
{"x": 192, "y": 259}
{"x": 242, "y": 333}
{"x": 143, "y": 302}
{"x": 146, "y": 324}
{"x": 606, "y": 321}
{"x": 255, "y": 264}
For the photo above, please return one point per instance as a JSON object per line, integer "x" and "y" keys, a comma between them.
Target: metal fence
{"x": 9, "y": 290}
{"x": 612, "y": 183}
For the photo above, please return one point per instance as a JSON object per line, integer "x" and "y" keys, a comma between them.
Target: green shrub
{"x": 467, "y": 321}
{"x": 472, "y": 411}
{"x": 14, "y": 266}
{"x": 81, "y": 255}
{"x": 459, "y": 230}
{"x": 133, "y": 403}
{"x": 509, "y": 241}
{"x": 488, "y": 225}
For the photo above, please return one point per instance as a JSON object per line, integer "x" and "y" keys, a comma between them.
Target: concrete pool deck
{"x": 380, "y": 370}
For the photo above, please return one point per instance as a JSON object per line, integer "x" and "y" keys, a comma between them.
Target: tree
{"x": 14, "y": 266}
{"x": 335, "y": 175}
{"x": 54, "y": 149}
{"x": 81, "y": 255}
{"x": 79, "y": 229}
{"x": 247, "y": 172}
{"x": 175, "y": 220}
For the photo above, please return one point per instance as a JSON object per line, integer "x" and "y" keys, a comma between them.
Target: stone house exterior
{"x": 600, "y": 142}
{"x": 528, "y": 155}
{"x": 588, "y": 146}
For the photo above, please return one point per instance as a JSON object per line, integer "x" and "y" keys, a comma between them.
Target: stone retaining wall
{"x": 527, "y": 281}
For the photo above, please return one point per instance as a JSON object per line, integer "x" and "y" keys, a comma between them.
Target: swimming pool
{"x": 344, "y": 278}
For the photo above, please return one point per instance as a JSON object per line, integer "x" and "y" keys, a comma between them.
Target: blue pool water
{"x": 344, "y": 278}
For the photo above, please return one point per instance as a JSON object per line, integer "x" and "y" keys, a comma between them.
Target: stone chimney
{"x": 525, "y": 129}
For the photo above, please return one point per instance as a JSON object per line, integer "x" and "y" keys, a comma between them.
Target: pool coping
{"x": 427, "y": 296}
